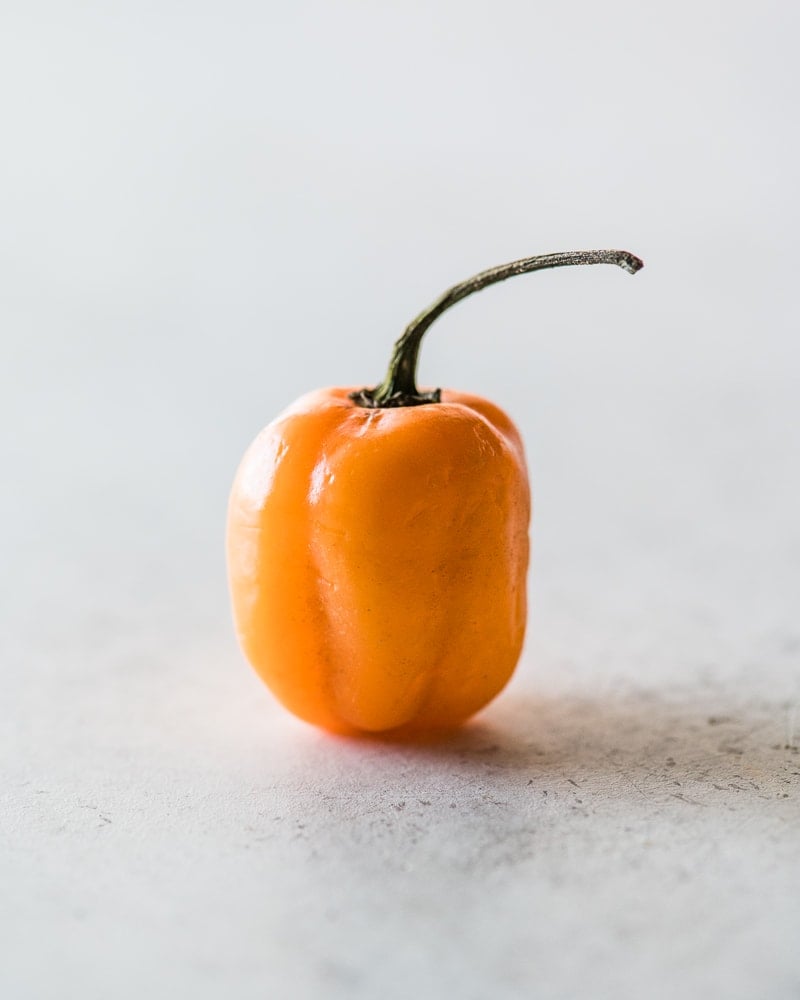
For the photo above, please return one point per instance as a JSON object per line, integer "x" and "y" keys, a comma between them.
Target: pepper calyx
{"x": 371, "y": 400}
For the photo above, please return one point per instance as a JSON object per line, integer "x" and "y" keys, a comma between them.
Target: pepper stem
{"x": 399, "y": 388}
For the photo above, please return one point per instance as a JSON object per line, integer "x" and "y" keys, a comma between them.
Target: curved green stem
{"x": 399, "y": 388}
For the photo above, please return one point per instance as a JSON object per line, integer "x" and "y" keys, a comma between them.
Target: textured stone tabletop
{"x": 624, "y": 820}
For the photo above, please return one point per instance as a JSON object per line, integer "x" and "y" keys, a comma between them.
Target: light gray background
{"x": 207, "y": 209}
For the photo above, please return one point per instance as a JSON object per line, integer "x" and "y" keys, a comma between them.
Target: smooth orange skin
{"x": 377, "y": 560}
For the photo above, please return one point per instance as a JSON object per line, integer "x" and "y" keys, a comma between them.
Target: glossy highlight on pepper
{"x": 378, "y": 544}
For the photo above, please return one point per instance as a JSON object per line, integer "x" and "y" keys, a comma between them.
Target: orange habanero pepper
{"x": 378, "y": 543}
